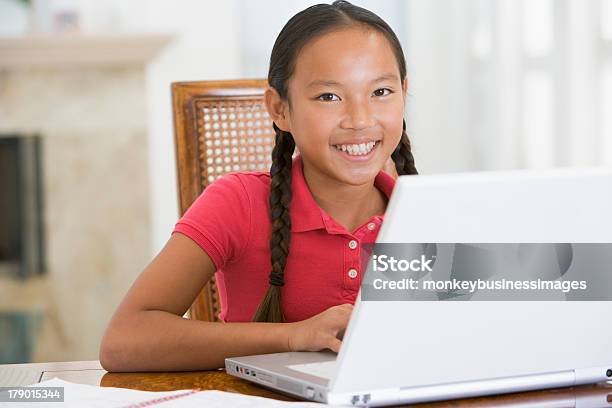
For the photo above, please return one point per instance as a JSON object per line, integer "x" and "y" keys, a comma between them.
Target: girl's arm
{"x": 148, "y": 332}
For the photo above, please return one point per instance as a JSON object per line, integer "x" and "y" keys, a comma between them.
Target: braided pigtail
{"x": 305, "y": 26}
{"x": 270, "y": 309}
{"x": 402, "y": 155}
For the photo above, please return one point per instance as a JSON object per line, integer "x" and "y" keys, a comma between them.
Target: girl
{"x": 285, "y": 245}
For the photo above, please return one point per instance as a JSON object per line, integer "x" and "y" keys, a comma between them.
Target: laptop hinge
{"x": 413, "y": 394}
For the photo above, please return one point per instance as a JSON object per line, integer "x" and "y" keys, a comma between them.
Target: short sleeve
{"x": 219, "y": 220}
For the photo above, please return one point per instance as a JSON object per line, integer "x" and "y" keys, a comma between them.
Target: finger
{"x": 335, "y": 344}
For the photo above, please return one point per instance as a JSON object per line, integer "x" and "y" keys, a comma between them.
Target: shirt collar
{"x": 311, "y": 216}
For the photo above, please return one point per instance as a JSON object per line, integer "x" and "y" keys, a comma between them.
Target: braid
{"x": 402, "y": 155}
{"x": 270, "y": 309}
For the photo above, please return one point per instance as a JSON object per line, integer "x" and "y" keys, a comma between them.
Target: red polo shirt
{"x": 230, "y": 221}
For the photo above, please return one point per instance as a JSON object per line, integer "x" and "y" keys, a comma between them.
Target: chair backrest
{"x": 220, "y": 127}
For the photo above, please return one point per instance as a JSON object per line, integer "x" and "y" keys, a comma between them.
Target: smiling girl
{"x": 284, "y": 245}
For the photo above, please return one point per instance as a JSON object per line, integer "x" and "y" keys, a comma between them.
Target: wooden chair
{"x": 220, "y": 127}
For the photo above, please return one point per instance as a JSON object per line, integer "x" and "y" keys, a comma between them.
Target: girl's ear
{"x": 277, "y": 109}
{"x": 405, "y": 87}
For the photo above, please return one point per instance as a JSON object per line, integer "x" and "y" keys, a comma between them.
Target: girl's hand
{"x": 321, "y": 331}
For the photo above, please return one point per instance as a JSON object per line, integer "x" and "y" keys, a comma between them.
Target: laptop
{"x": 446, "y": 343}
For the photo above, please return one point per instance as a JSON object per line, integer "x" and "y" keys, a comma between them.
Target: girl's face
{"x": 346, "y": 104}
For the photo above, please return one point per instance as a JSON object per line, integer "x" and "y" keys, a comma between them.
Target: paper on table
{"x": 17, "y": 376}
{"x": 222, "y": 399}
{"x": 79, "y": 395}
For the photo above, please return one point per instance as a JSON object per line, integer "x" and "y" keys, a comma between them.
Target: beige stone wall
{"x": 96, "y": 194}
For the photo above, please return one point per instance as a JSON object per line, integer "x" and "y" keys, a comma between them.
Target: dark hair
{"x": 299, "y": 30}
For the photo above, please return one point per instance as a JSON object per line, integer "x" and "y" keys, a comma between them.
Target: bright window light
{"x": 538, "y": 27}
{"x": 606, "y": 116}
{"x": 606, "y": 19}
{"x": 538, "y": 108}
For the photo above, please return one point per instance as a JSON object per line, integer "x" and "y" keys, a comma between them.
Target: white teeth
{"x": 357, "y": 149}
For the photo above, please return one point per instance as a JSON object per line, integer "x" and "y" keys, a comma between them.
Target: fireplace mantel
{"x": 51, "y": 51}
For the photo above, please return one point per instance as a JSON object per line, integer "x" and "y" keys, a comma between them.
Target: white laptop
{"x": 424, "y": 348}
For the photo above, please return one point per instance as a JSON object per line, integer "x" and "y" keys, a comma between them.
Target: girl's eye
{"x": 327, "y": 97}
{"x": 378, "y": 93}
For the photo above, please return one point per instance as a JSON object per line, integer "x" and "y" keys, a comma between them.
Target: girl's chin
{"x": 360, "y": 174}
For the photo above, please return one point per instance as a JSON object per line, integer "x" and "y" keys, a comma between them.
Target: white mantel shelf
{"x": 57, "y": 51}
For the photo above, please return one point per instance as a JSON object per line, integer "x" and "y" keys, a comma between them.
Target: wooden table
{"x": 90, "y": 372}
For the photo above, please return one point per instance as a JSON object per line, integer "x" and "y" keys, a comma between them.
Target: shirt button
{"x": 352, "y": 273}
{"x": 353, "y": 244}
{"x": 371, "y": 226}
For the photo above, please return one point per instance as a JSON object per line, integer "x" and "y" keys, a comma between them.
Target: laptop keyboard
{"x": 325, "y": 369}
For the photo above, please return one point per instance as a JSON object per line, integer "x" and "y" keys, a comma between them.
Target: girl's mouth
{"x": 357, "y": 152}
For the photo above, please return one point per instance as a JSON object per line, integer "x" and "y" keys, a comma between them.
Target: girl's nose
{"x": 358, "y": 116}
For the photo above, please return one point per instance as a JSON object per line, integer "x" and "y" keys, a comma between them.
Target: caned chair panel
{"x": 220, "y": 127}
